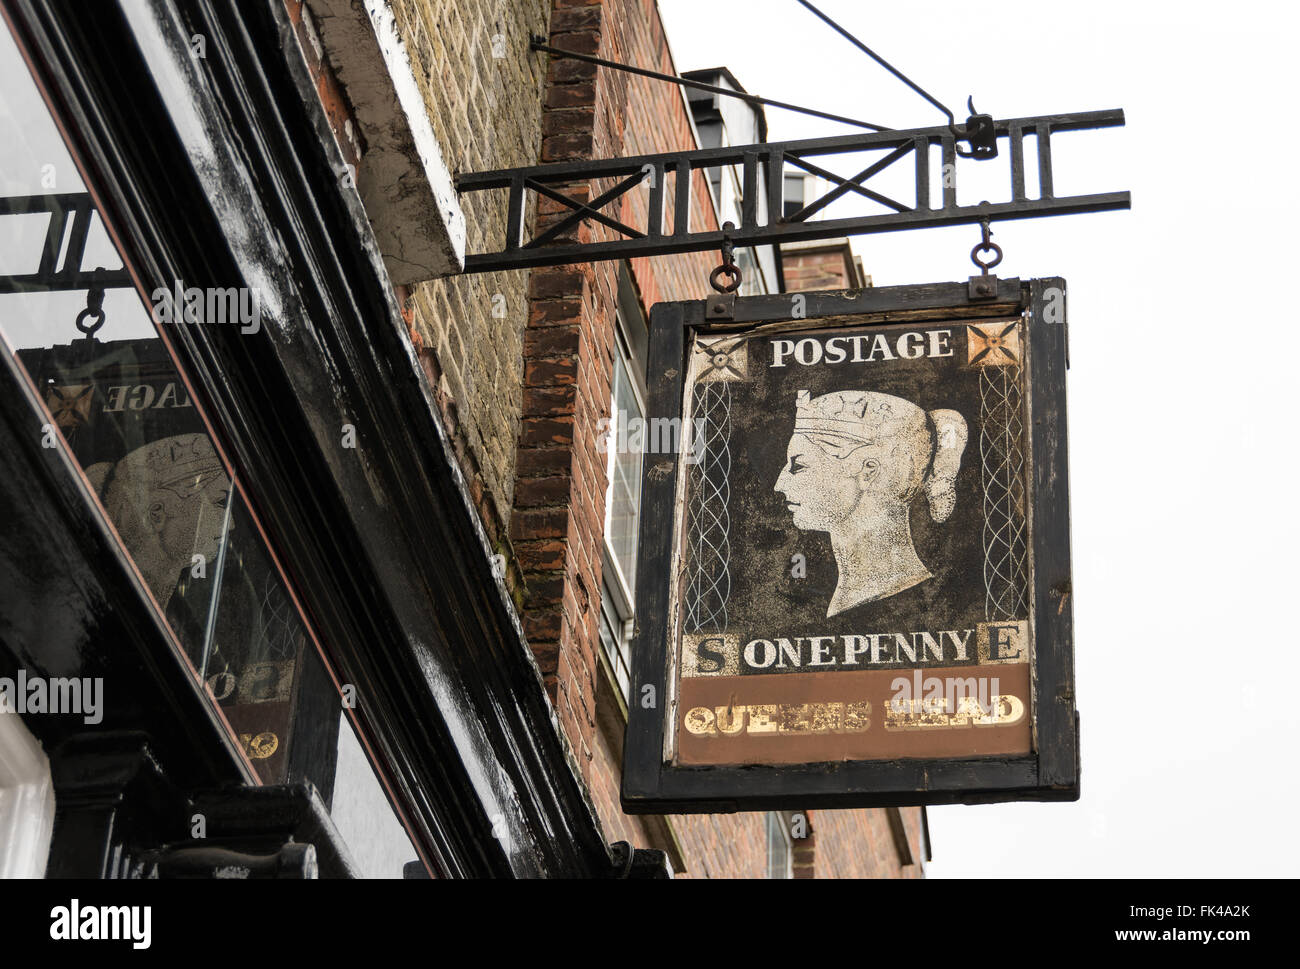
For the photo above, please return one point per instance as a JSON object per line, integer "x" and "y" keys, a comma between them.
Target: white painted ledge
{"x": 403, "y": 181}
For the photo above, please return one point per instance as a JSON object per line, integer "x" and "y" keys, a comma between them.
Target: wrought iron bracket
{"x": 591, "y": 187}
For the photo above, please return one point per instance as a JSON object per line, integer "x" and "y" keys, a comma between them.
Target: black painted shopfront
{"x": 239, "y": 514}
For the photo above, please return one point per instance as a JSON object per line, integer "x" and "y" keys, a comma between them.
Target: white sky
{"x": 1182, "y": 413}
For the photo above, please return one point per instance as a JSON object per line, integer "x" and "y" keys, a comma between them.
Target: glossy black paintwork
{"x": 220, "y": 172}
{"x": 70, "y": 606}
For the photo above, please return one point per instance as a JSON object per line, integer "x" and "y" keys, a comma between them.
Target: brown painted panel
{"x": 845, "y": 716}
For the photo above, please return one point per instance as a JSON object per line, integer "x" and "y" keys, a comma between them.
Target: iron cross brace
{"x": 658, "y": 235}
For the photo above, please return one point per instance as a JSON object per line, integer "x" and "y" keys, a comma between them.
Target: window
{"x": 793, "y": 199}
{"x": 624, "y": 443}
{"x": 97, "y": 360}
{"x": 102, "y": 371}
{"x": 780, "y": 846}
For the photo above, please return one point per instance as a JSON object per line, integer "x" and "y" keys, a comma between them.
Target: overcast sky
{"x": 1182, "y": 387}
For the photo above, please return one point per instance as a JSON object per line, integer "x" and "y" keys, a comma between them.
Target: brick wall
{"x": 859, "y": 844}
{"x": 825, "y": 264}
{"x": 483, "y": 91}
{"x": 557, "y": 525}
{"x": 560, "y": 496}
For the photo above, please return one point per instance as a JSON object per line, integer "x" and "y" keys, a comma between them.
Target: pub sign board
{"x": 854, "y": 575}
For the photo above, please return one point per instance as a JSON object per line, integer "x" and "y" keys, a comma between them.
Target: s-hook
{"x": 94, "y": 309}
{"x": 985, "y": 286}
{"x": 722, "y": 304}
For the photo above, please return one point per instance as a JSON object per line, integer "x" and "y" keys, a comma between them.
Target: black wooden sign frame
{"x": 653, "y": 785}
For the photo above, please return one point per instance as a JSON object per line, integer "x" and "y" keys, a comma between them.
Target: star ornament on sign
{"x": 993, "y": 344}
{"x": 69, "y": 405}
{"x": 722, "y": 358}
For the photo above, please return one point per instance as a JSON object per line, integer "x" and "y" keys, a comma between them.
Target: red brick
{"x": 550, "y": 372}
{"x": 540, "y": 554}
{"x": 543, "y": 625}
{"x": 556, "y": 284}
{"x": 566, "y": 147}
{"x": 567, "y": 19}
{"x": 530, "y": 523}
{"x": 545, "y": 590}
{"x": 555, "y": 311}
{"x": 572, "y": 121}
{"x": 546, "y": 430}
{"x": 546, "y": 654}
{"x": 544, "y": 462}
{"x": 552, "y": 341}
{"x": 549, "y": 401}
{"x": 542, "y": 491}
{"x": 571, "y": 95}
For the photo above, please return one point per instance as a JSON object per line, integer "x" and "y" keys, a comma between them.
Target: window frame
{"x": 617, "y": 593}
{"x": 778, "y": 822}
{"x": 466, "y": 738}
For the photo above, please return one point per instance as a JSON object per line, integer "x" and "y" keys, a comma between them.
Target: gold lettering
{"x": 699, "y": 721}
{"x": 730, "y": 720}
{"x": 764, "y": 718}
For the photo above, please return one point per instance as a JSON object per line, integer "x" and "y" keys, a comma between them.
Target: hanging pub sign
{"x": 854, "y": 576}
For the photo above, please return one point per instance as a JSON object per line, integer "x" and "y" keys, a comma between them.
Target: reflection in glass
{"x": 113, "y": 393}
{"x": 625, "y": 478}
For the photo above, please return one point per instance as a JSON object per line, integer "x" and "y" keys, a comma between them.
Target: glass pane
{"x": 779, "y": 853}
{"x": 127, "y": 417}
{"x": 107, "y": 380}
{"x": 611, "y": 639}
{"x": 625, "y": 482}
{"x": 360, "y": 810}
{"x": 125, "y": 414}
{"x": 257, "y": 645}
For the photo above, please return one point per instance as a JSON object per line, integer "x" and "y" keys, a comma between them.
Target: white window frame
{"x": 621, "y": 595}
{"x": 26, "y": 801}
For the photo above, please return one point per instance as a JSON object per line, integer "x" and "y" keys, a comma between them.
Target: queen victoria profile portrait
{"x": 854, "y": 465}
{"x": 167, "y": 500}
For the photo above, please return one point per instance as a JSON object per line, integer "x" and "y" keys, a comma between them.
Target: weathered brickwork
{"x": 859, "y": 844}
{"x": 560, "y": 499}
{"x": 483, "y": 91}
{"x": 829, "y": 264}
